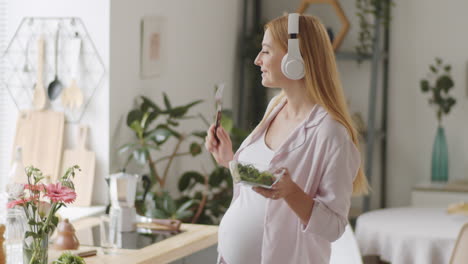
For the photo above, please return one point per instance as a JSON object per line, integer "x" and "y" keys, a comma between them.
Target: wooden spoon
{"x": 39, "y": 97}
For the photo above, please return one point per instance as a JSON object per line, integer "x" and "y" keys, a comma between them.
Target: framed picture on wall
{"x": 153, "y": 51}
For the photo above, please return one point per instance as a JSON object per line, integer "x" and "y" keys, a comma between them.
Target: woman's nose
{"x": 257, "y": 60}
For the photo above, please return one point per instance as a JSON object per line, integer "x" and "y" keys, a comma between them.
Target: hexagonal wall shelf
{"x": 339, "y": 11}
{"x": 21, "y": 62}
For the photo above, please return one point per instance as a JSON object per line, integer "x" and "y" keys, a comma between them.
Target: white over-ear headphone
{"x": 292, "y": 64}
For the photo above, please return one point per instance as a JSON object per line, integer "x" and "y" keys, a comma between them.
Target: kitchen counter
{"x": 193, "y": 238}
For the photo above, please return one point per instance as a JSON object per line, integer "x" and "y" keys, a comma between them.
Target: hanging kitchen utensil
{"x": 39, "y": 97}
{"x": 55, "y": 87}
{"x": 72, "y": 96}
{"x": 26, "y": 57}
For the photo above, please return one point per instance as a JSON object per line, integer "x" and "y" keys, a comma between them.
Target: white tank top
{"x": 240, "y": 232}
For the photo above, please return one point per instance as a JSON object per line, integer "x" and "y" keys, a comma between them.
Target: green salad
{"x": 69, "y": 258}
{"x": 249, "y": 173}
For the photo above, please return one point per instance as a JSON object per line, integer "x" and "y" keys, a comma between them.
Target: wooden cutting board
{"x": 40, "y": 136}
{"x": 86, "y": 159}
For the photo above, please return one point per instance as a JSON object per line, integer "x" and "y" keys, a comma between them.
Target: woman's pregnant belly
{"x": 241, "y": 229}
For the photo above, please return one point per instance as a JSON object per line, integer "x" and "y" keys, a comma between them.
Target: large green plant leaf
{"x": 167, "y": 103}
{"x": 188, "y": 177}
{"x": 425, "y": 85}
{"x": 160, "y": 134}
{"x": 227, "y": 124}
{"x": 174, "y": 133}
{"x": 140, "y": 155}
{"x": 136, "y": 127}
{"x": 445, "y": 83}
{"x": 183, "y": 211}
{"x": 185, "y": 206}
{"x": 165, "y": 128}
{"x": 172, "y": 122}
{"x": 184, "y": 182}
{"x": 180, "y": 111}
{"x": 195, "y": 149}
{"x": 152, "y": 116}
{"x": 158, "y": 213}
{"x": 134, "y": 115}
{"x": 144, "y": 121}
{"x": 169, "y": 205}
{"x": 127, "y": 147}
{"x": 200, "y": 134}
{"x": 149, "y": 103}
{"x": 183, "y": 215}
{"x": 216, "y": 177}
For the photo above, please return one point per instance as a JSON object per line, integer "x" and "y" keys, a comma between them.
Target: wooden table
{"x": 194, "y": 238}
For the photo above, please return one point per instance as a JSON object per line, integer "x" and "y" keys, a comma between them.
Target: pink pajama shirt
{"x": 322, "y": 159}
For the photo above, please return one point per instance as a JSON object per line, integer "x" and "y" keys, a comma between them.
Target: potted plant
{"x": 153, "y": 126}
{"x": 438, "y": 84}
{"x": 367, "y": 12}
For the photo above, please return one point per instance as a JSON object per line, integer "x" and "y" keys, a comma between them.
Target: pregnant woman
{"x": 308, "y": 134}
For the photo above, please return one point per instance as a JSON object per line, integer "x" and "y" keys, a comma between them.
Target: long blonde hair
{"x": 322, "y": 80}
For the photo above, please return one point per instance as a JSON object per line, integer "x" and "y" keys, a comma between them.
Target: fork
{"x": 218, "y": 103}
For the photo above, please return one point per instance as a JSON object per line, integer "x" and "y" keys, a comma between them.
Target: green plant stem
{"x": 176, "y": 155}
{"x": 154, "y": 172}
{"x": 171, "y": 158}
{"x": 439, "y": 116}
{"x": 33, "y": 257}
{"x": 202, "y": 203}
{"x": 52, "y": 211}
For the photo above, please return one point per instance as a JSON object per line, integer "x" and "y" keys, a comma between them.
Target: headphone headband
{"x": 292, "y": 64}
{"x": 293, "y": 23}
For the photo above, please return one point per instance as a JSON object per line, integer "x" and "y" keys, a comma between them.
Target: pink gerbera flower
{"x": 19, "y": 202}
{"x": 34, "y": 187}
{"x": 58, "y": 193}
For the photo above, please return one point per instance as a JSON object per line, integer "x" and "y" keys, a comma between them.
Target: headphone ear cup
{"x": 283, "y": 65}
{"x": 292, "y": 68}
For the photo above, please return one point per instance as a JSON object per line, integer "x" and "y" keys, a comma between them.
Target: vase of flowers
{"x": 40, "y": 203}
{"x": 439, "y": 82}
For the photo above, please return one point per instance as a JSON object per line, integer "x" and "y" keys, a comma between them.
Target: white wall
{"x": 95, "y": 16}
{"x": 202, "y": 39}
{"x": 420, "y": 31}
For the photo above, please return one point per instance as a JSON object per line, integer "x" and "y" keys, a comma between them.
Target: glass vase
{"x": 440, "y": 157}
{"x": 35, "y": 249}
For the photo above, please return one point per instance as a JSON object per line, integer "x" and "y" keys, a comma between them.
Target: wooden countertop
{"x": 194, "y": 238}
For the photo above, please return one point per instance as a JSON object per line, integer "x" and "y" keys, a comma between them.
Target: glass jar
{"x": 15, "y": 222}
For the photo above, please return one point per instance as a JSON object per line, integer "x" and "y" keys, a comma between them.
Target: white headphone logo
{"x": 292, "y": 64}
